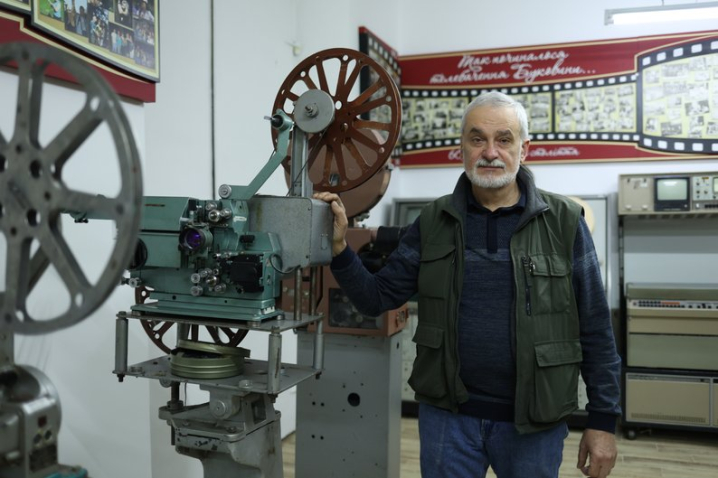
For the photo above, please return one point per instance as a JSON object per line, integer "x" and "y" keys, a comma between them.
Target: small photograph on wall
{"x": 99, "y": 25}
{"x": 76, "y": 21}
{"x": 123, "y": 12}
{"x": 143, "y": 11}
{"x": 122, "y": 41}
{"x": 19, "y": 5}
{"x": 145, "y": 55}
{"x": 52, "y": 9}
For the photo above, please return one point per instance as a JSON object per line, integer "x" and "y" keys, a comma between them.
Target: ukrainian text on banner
{"x": 645, "y": 98}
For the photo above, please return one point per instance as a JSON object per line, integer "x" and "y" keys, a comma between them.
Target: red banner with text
{"x": 644, "y": 98}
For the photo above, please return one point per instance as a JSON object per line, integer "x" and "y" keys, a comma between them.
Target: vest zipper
{"x": 528, "y": 265}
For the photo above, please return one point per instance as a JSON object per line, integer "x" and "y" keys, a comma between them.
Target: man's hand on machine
{"x": 341, "y": 223}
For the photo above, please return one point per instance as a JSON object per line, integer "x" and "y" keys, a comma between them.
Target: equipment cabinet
{"x": 668, "y": 258}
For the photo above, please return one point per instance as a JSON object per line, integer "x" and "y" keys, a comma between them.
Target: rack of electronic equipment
{"x": 668, "y": 224}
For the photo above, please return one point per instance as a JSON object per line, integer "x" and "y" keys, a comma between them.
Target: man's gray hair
{"x": 496, "y": 99}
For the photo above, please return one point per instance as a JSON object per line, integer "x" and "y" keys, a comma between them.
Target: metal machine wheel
{"x": 366, "y": 126}
{"x": 157, "y": 329}
{"x": 33, "y": 194}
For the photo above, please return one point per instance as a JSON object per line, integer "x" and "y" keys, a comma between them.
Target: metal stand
{"x": 237, "y": 433}
{"x": 233, "y": 436}
{"x": 29, "y": 420}
{"x": 349, "y": 421}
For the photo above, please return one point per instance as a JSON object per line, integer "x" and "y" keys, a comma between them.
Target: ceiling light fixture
{"x": 662, "y": 13}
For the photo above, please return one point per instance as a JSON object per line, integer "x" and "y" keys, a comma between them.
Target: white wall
{"x": 468, "y": 25}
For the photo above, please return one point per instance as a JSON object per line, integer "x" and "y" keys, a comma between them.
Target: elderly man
{"x": 511, "y": 307}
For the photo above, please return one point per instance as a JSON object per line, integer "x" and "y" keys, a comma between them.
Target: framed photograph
{"x": 124, "y": 33}
{"x": 19, "y": 5}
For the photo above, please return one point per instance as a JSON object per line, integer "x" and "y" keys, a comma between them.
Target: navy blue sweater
{"x": 487, "y": 367}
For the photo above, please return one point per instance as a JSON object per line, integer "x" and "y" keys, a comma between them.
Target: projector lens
{"x": 192, "y": 239}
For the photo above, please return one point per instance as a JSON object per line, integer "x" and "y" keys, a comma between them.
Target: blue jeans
{"x": 461, "y": 446}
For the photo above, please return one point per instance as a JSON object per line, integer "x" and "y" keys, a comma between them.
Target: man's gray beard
{"x": 493, "y": 182}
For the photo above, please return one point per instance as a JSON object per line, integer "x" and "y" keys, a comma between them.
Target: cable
{"x": 271, "y": 263}
{"x": 306, "y": 163}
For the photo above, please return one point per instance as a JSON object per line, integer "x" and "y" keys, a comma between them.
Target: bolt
{"x": 225, "y": 191}
{"x": 213, "y": 215}
{"x": 219, "y": 408}
{"x": 311, "y": 110}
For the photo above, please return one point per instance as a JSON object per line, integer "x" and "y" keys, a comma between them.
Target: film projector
{"x": 205, "y": 272}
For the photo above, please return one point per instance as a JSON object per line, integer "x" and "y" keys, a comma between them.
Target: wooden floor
{"x": 661, "y": 454}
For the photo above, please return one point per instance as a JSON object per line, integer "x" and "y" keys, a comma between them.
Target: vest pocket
{"x": 555, "y": 380}
{"x": 550, "y": 283}
{"x": 435, "y": 269}
{"x": 428, "y": 374}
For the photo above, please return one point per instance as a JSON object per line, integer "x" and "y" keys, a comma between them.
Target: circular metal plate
{"x": 212, "y": 348}
{"x": 314, "y": 111}
{"x": 205, "y": 365}
{"x": 34, "y": 194}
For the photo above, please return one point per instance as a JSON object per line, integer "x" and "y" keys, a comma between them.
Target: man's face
{"x": 491, "y": 146}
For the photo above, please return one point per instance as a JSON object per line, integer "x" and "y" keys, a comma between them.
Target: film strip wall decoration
{"x": 647, "y": 98}
{"x": 679, "y": 94}
{"x": 594, "y": 110}
{"x": 388, "y": 58}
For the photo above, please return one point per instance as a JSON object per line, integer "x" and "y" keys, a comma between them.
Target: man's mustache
{"x": 496, "y": 163}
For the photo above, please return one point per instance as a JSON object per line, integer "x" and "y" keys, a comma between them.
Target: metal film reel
{"x": 352, "y": 149}
{"x": 362, "y": 198}
{"x": 157, "y": 329}
{"x": 33, "y": 194}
